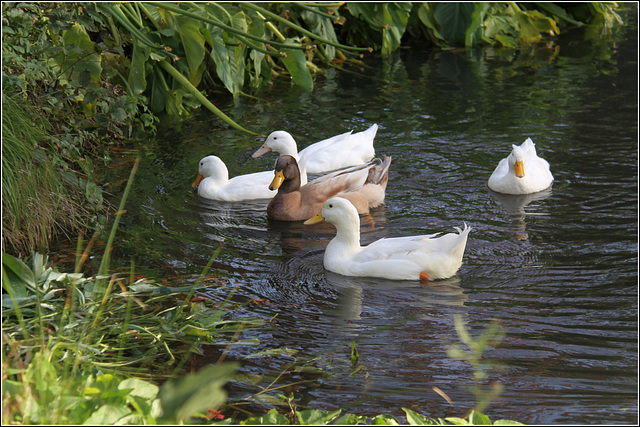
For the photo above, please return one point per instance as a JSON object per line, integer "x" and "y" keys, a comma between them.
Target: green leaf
{"x": 273, "y": 417}
{"x": 76, "y": 62}
{"x": 475, "y": 34}
{"x": 296, "y": 64}
{"x": 384, "y": 420}
{"x": 557, "y": 11}
{"x": 225, "y": 59}
{"x": 137, "y": 76}
{"x": 317, "y": 416}
{"x": 416, "y": 419}
{"x": 139, "y": 388}
{"x": 478, "y": 418}
{"x": 107, "y": 414}
{"x": 323, "y": 26}
{"x": 506, "y": 423}
{"x": 425, "y": 14}
{"x": 158, "y": 92}
{"x": 195, "y": 393}
{"x": 193, "y": 44}
{"x": 21, "y": 277}
{"x": 350, "y": 419}
{"x": 394, "y": 22}
{"x": 453, "y": 18}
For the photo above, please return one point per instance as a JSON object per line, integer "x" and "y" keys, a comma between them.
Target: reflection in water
{"x": 352, "y": 292}
{"x": 514, "y": 205}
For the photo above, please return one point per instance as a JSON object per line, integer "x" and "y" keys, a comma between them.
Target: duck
{"x": 213, "y": 182}
{"x": 363, "y": 185}
{"x": 419, "y": 258}
{"x": 338, "y": 152}
{"x": 522, "y": 172}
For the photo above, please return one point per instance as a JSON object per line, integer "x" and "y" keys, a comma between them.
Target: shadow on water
{"x": 557, "y": 268}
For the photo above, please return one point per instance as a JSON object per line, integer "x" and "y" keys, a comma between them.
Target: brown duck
{"x": 362, "y": 185}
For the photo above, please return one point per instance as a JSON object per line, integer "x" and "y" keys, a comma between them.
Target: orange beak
{"x": 198, "y": 180}
{"x": 277, "y": 181}
{"x": 519, "y": 168}
{"x": 314, "y": 220}
{"x": 261, "y": 151}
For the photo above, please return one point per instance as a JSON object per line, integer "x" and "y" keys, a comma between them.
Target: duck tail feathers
{"x": 379, "y": 171}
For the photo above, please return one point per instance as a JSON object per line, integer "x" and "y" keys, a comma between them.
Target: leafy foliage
{"x": 60, "y": 113}
{"x": 68, "y": 339}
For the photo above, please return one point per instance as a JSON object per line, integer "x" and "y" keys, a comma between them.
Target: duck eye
{"x": 330, "y": 205}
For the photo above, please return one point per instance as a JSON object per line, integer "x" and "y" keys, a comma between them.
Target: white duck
{"x": 337, "y": 152}
{"x": 213, "y": 182}
{"x": 522, "y": 172}
{"x": 426, "y": 257}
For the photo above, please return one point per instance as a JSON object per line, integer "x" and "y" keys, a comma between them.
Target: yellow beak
{"x": 314, "y": 220}
{"x": 277, "y": 181}
{"x": 519, "y": 168}
{"x": 198, "y": 180}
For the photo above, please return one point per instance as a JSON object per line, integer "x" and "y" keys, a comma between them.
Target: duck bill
{"x": 519, "y": 168}
{"x": 277, "y": 181}
{"x": 261, "y": 151}
{"x": 314, "y": 220}
{"x": 198, "y": 180}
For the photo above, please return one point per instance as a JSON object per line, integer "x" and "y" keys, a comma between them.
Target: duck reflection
{"x": 515, "y": 206}
{"x": 294, "y": 236}
{"x": 232, "y": 219}
{"x": 351, "y": 293}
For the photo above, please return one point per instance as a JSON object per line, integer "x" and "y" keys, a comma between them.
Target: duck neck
{"x": 349, "y": 236}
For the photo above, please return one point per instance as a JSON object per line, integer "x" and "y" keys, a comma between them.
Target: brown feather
{"x": 363, "y": 185}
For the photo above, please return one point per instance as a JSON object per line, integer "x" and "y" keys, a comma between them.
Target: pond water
{"x": 558, "y": 269}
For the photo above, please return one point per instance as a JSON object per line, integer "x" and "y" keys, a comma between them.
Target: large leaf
{"x": 369, "y": 11}
{"x": 81, "y": 60}
{"x": 317, "y": 417}
{"x": 228, "y": 54}
{"x": 137, "y": 74}
{"x": 107, "y": 414}
{"x": 454, "y": 18}
{"x": 475, "y": 34}
{"x": 296, "y": 64}
{"x": 225, "y": 59}
{"x": 394, "y": 17}
{"x": 425, "y": 14}
{"x": 416, "y": 419}
{"x": 195, "y": 393}
{"x": 159, "y": 91}
{"x": 193, "y": 45}
{"x": 273, "y": 417}
{"x": 322, "y": 26}
{"x": 19, "y": 274}
{"x": 478, "y": 418}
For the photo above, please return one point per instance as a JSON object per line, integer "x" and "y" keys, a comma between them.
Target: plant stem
{"x": 104, "y": 264}
{"x": 225, "y": 27}
{"x": 203, "y": 99}
{"x": 302, "y": 30}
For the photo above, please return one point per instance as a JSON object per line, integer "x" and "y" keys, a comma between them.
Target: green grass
{"x": 79, "y": 349}
{"x": 38, "y": 201}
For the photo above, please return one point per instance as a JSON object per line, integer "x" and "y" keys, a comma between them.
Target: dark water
{"x": 559, "y": 270}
